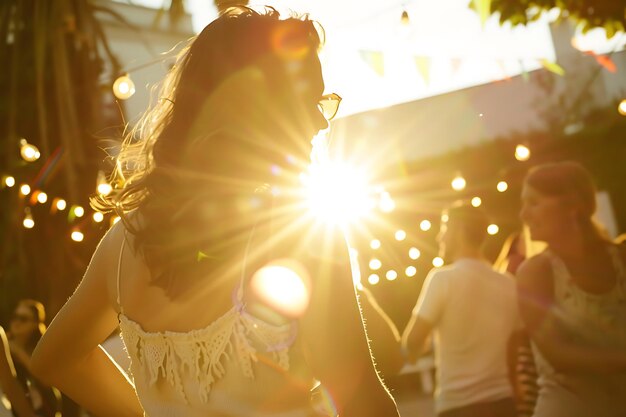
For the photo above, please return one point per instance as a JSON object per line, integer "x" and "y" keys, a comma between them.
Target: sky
{"x": 444, "y": 47}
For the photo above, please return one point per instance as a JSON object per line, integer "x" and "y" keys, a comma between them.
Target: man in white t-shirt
{"x": 472, "y": 312}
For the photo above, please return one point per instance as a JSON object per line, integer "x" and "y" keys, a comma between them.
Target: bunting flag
{"x": 375, "y": 60}
{"x": 552, "y": 67}
{"x": 605, "y": 61}
{"x": 423, "y": 66}
{"x": 456, "y": 64}
{"x": 483, "y": 8}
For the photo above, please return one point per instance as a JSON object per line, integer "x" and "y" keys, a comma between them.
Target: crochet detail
{"x": 203, "y": 352}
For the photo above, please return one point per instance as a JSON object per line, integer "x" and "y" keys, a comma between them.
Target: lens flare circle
{"x": 284, "y": 286}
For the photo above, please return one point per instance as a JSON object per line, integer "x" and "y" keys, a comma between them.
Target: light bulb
{"x": 77, "y": 236}
{"x": 25, "y": 189}
{"x": 123, "y": 87}
{"x": 28, "y": 221}
{"x": 28, "y": 151}
{"x": 9, "y": 181}
{"x": 61, "y": 204}
{"x": 79, "y": 211}
{"x": 42, "y": 197}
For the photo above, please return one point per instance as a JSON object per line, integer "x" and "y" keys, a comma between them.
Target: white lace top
{"x": 232, "y": 367}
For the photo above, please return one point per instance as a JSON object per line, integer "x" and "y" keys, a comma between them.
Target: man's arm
{"x": 414, "y": 337}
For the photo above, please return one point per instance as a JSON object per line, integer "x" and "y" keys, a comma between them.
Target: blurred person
{"x": 9, "y": 384}
{"x": 572, "y": 297}
{"x": 213, "y": 234}
{"x": 27, "y": 326}
{"x": 470, "y": 308}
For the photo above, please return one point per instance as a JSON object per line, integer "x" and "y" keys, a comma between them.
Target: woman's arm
{"x": 334, "y": 336}
{"x": 68, "y": 356}
{"x": 536, "y": 302}
{"x": 8, "y": 382}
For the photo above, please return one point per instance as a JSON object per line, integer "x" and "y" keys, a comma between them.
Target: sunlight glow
{"x": 284, "y": 286}
{"x": 337, "y": 193}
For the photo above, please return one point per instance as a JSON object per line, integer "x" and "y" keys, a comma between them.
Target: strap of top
{"x": 119, "y": 273}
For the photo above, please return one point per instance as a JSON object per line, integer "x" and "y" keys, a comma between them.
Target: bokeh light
{"x": 400, "y": 235}
{"x": 78, "y": 211}
{"x": 437, "y": 262}
{"x": 104, "y": 188}
{"x": 28, "y": 221}
{"x": 97, "y": 217}
{"x": 77, "y": 236}
{"x": 386, "y": 203}
{"x": 458, "y": 183}
{"x": 284, "y": 286}
{"x": 9, "y": 181}
{"x": 25, "y": 189}
{"x": 410, "y": 271}
{"x": 42, "y": 197}
{"x": 621, "y": 108}
{"x": 373, "y": 279}
{"x": 123, "y": 87}
{"x": 414, "y": 253}
{"x": 425, "y": 225}
{"x": 375, "y": 264}
{"x": 60, "y": 204}
{"x": 493, "y": 229}
{"x": 522, "y": 153}
{"x": 476, "y": 201}
{"x": 502, "y": 186}
{"x": 375, "y": 244}
{"x": 28, "y": 151}
{"x": 391, "y": 275}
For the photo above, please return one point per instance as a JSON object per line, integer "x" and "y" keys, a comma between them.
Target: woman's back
{"x": 202, "y": 352}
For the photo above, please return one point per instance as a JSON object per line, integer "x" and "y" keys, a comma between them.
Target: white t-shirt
{"x": 473, "y": 311}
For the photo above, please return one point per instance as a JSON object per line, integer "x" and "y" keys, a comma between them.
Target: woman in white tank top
{"x": 573, "y": 297}
{"x": 213, "y": 233}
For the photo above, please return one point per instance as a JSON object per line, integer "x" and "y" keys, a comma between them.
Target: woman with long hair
{"x": 230, "y": 299}
{"x": 573, "y": 297}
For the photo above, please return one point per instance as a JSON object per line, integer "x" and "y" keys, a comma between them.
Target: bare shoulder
{"x": 535, "y": 274}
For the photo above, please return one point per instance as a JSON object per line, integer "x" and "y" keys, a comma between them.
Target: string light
{"x": 375, "y": 264}
{"x": 28, "y": 151}
{"x": 425, "y": 225}
{"x": 502, "y": 186}
{"x": 97, "y": 217}
{"x": 622, "y": 107}
{"x": 77, "y": 236}
{"x": 458, "y": 183}
{"x": 28, "y": 221}
{"x": 78, "y": 211}
{"x": 476, "y": 201}
{"x": 60, "y": 204}
{"x": 414, "y": 253}
{"x": 410, "y": 271}
{"x": 493, "y": 229}
{"x": 373, "y": 279}
{"x": 437, "y": 262}
{"x": 123, "y": 87}
{"x": 522, "y": 153}
{"x": 24, "y": 189}
{"x": 42, "y": 197}
{"x": 391, "y": 275}
{"x": 103, "y": 187}
{"x": 375, "y": 244}
{"x": 9, "y": 181}
{"x": 400, "y": 235}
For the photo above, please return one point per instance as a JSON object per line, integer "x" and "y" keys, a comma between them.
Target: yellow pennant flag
{"x": 375, "y": 60}
{"x": 483, "y": 8}
{"x": 423, "y": 66}
{"x": 552, "y": 67}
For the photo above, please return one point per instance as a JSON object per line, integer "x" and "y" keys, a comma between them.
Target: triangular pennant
{"x": 483, "y": 8}
{"x": 423, "y": 66}
{"x": 603, "y": 60}
{"x": 375, "y": 60}
{"x": 456, "y": 64}
{"x": 552, "y": 67}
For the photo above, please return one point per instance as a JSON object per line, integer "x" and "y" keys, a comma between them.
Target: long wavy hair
{"x": 170, "y": 166}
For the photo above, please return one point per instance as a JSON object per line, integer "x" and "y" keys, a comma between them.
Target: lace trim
{"x": 203, "y": 352}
